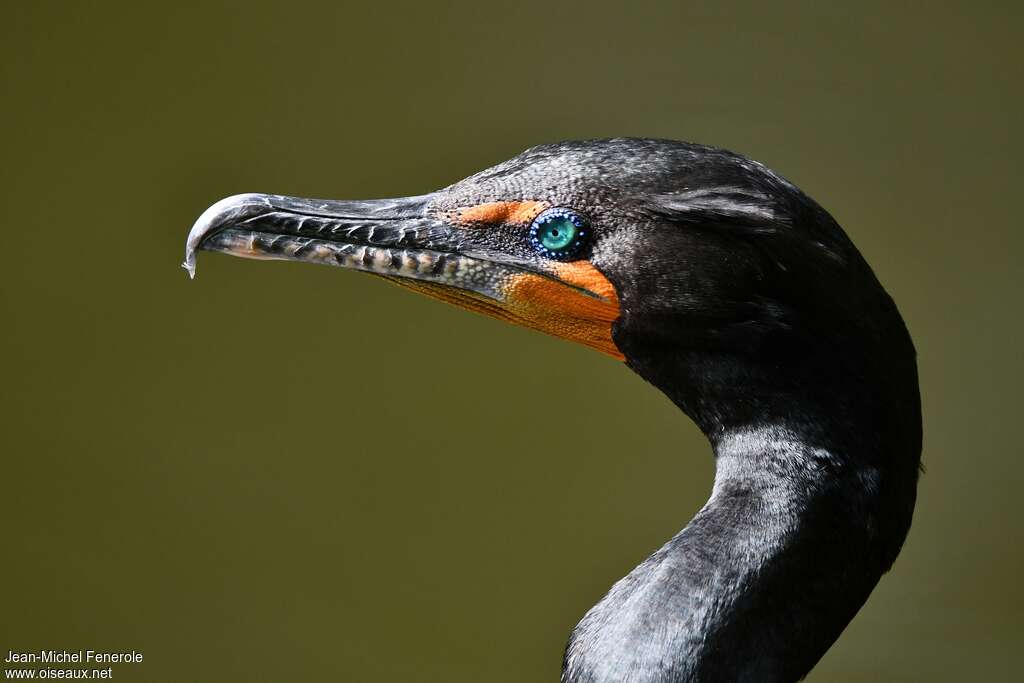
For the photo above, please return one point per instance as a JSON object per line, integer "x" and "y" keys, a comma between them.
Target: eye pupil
{"x": 558, "y": 234}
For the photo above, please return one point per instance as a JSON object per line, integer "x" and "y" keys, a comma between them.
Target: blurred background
{"x": 214, "y": 473}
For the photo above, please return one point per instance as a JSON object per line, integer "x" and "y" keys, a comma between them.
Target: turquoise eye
{"x": 559, "y": 234}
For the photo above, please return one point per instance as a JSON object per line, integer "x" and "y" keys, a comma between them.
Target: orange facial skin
{"x": 574, "y": 301}
{"x": 545, "y": 304}
{"x": 493, "y": 213}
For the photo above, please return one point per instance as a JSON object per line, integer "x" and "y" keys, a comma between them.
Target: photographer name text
{"x": 78, "y": 656}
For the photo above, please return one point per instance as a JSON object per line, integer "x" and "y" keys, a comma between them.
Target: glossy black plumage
{"x": 744, "y": 302}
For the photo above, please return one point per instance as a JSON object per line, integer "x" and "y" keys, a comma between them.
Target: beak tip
{"x": 222, "y": 213}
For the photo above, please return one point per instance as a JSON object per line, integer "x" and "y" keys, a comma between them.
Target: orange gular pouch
{"x": 583, "y": 315}
{"x": 545, "y": 304}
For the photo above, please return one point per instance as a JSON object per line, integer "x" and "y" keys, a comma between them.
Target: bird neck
{"x": 816, "y": 472}
{"x": 756, "y": 587}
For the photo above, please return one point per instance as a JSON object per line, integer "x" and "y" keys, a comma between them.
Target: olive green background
{"x": 284, "y": 472}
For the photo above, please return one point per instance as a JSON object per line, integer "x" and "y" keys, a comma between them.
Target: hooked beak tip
{"x": 221, "y": 214}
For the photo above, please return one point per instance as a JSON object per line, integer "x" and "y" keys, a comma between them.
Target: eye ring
{"x": 559, "y": 234}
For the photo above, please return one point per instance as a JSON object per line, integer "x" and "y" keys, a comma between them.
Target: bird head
{"x": 655, "y": 252}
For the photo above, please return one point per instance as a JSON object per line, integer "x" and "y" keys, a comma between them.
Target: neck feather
{"x": 758, "y": 585}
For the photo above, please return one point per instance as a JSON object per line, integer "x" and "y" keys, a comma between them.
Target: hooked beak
{"x": 401, "y": 240}
{"x": 390, "y": 237}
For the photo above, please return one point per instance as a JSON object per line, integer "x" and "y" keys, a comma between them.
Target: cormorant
{"x": 739, "y": 297}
